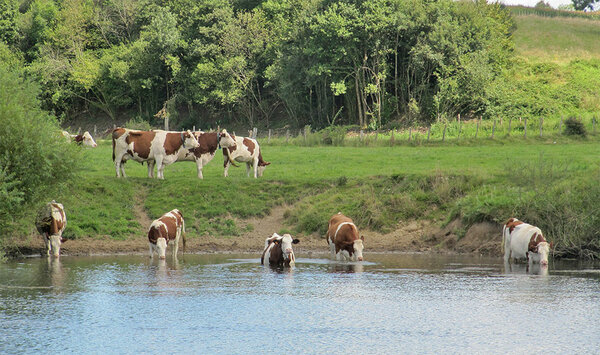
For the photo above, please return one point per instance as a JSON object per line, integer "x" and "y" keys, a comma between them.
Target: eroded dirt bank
{"x": 410, "y": 236}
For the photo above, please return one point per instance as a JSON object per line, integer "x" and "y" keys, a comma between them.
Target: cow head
{"x": 261, "y": 167}
{"x": 358, "y": 249}
{"x": 286, "y": 246}
{"x": 55, "y": 243}
{"x": 87, "y": 140}
{"x": 161, "y": 248}
{"x": 188, "y": 140}
{"x": 225, "y": 139}
{"x": 543, "y": 250}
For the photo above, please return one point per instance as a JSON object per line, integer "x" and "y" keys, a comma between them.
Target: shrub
{"x": 574, "y": 127}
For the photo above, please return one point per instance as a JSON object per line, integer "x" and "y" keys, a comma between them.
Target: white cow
{"x": 246, "y": 150}
{"x": 83, "y": 139}
{"x": 522, "y": 240}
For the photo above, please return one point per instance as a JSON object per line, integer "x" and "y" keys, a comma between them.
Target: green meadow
{"x": 553, "y": 185}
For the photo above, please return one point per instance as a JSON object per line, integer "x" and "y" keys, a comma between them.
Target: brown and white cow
{"x": 343, "y": 239}
{"x": 82, "y": 139}
{"x": 245, "y": 150}
{"x": 278, "y": 250}
{"x": 208, "y": 143}
{"x": 51, "y": 223}
{"x": 169, "y": 227}
{"x": 157, "y": 147}
{"x": 522, "y": 240}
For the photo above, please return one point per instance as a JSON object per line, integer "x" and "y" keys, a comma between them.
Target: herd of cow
{"x": 161, "y": 148}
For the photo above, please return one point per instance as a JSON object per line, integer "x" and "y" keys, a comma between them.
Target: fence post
{"x": 541, "y": 125}
{"x": 254, "y": 132}
{"x": 95, "y": 129}
{"x": 287, "y": 136}
{"x": 269, "y": 139}
{"x": 494, "y": 128}
{"x": 477, "y": 129}
{"x": 392, "y": 138}
{"x": 428, "y": 133}
{"x": 166, "y": 123}
{"x": 79, "y": 130}
{"x": 458, "y": 120}
{"x": 560, "y": 126}
{"x": 305, "y": 134}
{"x": 509, "y": 126}
{"x": 444, "y": 135}
{"x": 362, "y": 133}
{"x": 409, "y": 133}
{"x": 525, "y": 129}
{"x": 194, "y": 128}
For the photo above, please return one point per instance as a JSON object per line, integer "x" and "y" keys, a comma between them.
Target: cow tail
{"x": 113, "y": 141}
{"x": 503, "y": 239}
{"x": 183, "y": 234}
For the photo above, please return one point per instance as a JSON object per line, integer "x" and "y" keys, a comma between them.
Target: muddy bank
{"x": 411, "y": 236}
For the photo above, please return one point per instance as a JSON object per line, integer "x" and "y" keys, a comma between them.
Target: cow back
{"x": 142, "y": 141}
{"x": 208, "y": 143}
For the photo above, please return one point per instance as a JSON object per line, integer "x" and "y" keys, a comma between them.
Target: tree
{"x": 583, "y": 5}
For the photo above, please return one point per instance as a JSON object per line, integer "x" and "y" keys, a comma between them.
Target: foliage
{"x": 584, "y": 4}
{"x": 34, "y": 158}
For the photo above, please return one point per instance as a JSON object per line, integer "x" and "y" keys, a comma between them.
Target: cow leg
{"x": 248, "y": 169}
{"x": 255, "y": 166}
{"x": 151, "y": 250}
{"x": 199, "y": 168}
{"x": 119, "y": 165}
{"x": 226, "y": 166}
{"x": 159, "y": 167}
{"x": 151, "y": 164}
{"x": 47, "y": 242}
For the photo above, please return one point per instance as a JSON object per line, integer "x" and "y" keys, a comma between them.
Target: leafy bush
{"x": 138, "y": 123}
{"x": 574, "y": 127}
{"x": 34, "y": 158}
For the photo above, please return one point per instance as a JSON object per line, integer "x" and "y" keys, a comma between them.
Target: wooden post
{"x": 560, "y": 126}
{"x": 166, "y": 123}
{"x": 254, "y": 132}
{"x": 305, "y": 134}
{"x": 459, "y": 126}
{"x": 409, "y": 133}
{"x": 494, "y": 128}
{"x": 477, "y": 129}
{"x": 428, "y": 132}
{"x": 392, "y": 138}
{"x": 95, "y": 129}
{"x": 79, "y": 130}
{"x": 444, "y": 134}
{"x": 525, "y": 129}
{"x": 509, "y": 126}
{"x": 287, "y": 136}
{"x": 218, "y": 128}
{"x": 541, "y": 125}
{"x": 233, "y": 133}
{"x": 269, "y": 139}
{"x": 362, "y": 133}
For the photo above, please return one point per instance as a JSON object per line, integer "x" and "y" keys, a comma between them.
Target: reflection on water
{"x": 221, "y": 303}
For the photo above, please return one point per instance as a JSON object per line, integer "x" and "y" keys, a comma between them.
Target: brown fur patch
{"x": 250, "y": 144}
{"x": 141, "y": 142}
{"x": 174, "y": 141}
{"x": 168, "y": 229}
{"x": 207, "y": 143}
{"x": 512, "y": 223}
{"x": 535, "y": 240}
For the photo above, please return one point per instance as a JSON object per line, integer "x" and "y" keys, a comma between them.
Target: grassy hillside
{"x": 555, "y": 186}
{"x": 557, "y": 39}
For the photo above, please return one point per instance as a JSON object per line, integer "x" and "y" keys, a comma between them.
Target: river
{"x": 230, "y": 304}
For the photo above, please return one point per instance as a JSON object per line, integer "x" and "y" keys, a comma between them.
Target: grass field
{"x": 557, "y": 39}
{"x": 378, "y": 186}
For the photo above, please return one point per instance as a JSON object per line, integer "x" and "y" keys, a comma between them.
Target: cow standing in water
{"x": 51, "y": 223}
{"x": 343, "y": 239}
{"x": 82, "y": 139}
{"x": 208, "y": 143}
{"x": 154, "y": 147}
{"x": 245, "y": 150}
{"x": 278, "y": 250}
{"x": 169, "y": 227}
{"x": 522, "y": 240}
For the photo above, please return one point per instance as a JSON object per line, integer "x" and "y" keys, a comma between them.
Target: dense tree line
{"x": 317, "y": 62}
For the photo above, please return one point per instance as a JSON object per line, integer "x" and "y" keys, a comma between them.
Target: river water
{"x": 230, "y": 304}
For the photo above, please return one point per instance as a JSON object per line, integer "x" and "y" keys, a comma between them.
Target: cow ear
{"x": 63, "y": 239}
{"x": 295, "y": 241}
{"x": 362, "y": 237}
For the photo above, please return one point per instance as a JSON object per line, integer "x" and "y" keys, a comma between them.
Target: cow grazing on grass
{"x": 208, "y": 143}
{"x": 278, "y": 250}
{"x": 169, "y": 227}
{"x": 245, "y": 150}
{"x": 81, "y": 139}
{"x": 51, "y": 223}
{"x": 160, "y": 148}
{"x": 343, "y": 239}
{"x": 522, "y": 240}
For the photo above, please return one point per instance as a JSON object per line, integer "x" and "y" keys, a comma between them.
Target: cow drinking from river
{"x": 278, "y": 250}
{"x": 343, "y": 238}
{"x": 522, "y": 240}
{"x": 169, "y": 227}
{"x": 50, "y": 223}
